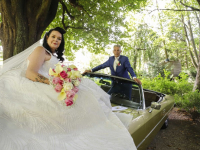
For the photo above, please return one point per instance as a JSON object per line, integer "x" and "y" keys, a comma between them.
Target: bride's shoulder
{"x": 38, "y": 51}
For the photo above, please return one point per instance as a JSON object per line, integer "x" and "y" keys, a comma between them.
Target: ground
{"x": 182, "y": 133}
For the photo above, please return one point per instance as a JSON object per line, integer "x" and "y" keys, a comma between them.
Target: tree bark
{"x": 197, "y": 81}
{"x": 161, "y": 26}
{"x": 188, "y": 43}
{"x": 186, "y": 60}
{"x": 134, "y": 62}
{"x": 192, "y": 39}
{"x": 23, "y": 22}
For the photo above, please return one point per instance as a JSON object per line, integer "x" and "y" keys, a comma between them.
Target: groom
{"x": 119, "y": 66}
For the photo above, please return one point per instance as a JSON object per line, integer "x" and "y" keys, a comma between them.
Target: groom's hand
{"x": 86, "y": 71}
{"x": 138, "y": 81}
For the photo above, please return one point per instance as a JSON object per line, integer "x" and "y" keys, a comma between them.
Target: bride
{"x": 31, "y": 117}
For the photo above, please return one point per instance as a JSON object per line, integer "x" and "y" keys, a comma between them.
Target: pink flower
{"x": 56, "y": 80}
{"x": 58, "y": 88}
{"x": 76, "y": 69}
{"x": 75, "y": 89}
{"x": 68, "y": 102}
{"x": 79, "y": 79}
{"x": 68, "y": 80}
{"x": 70, "y": 94}
{"x": 68, "y": 69}
{"x": 62, "y": 65}
{"x": 53, "y": 70}
{"x": 61, "y": 82}
{"x": 63, "y": 74}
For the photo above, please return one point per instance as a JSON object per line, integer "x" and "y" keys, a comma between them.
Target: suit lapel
{"x": 111, "y": 64}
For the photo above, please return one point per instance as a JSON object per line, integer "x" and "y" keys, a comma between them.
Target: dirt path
{"x": 181, "y": 134}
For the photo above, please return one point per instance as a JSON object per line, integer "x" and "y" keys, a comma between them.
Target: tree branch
{"x": 75, "y": 4}
{"x": 65, "y": 9}
{"x": 193, "y": 8}
{"x": 169, "y": 9}
{"x": 89, "y": 29}
{"x": 78, "y": 28}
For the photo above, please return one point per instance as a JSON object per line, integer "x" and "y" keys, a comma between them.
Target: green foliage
{"x": 160, "y": 84}
{"x": 189, "y": 101}
{"x": 93, "y": 23}
{"x": 97, "y": 60}
{"x": 180, "y": 88}
{"x": 167, "y": 85}
{"x": 192, "y": 72}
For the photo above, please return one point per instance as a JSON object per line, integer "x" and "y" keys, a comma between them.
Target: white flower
{"x": 76, "y": 82}
{"x": 72, "y": 75}
{"x": 68, "y": 86}
{"x": 117, "y": 61}
{"x": 77, "y": 74}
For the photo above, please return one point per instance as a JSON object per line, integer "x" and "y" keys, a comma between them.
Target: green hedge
{"x": 180, "y": 88}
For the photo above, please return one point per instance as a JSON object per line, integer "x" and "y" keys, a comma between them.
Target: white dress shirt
{"x": 116, "y": 61}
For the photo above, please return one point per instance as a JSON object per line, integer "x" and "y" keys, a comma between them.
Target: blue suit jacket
{"x": 121, "y": 71}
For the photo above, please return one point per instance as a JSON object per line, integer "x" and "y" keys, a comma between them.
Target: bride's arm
{"x": 36, "y": 59}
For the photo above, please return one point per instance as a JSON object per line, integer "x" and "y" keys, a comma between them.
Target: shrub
{"x": 190, "y": 102}
{"x": 160, "y": 84}
{"x": 179, "y": 87}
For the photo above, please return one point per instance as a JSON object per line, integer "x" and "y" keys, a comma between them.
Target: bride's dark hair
{"x": 60, "y": 49}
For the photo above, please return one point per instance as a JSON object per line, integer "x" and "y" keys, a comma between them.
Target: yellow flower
{"x": 75, "y": 97}
{"x": 58, "y": 68}
{"x": 77, "y": 74}
{"x": 72, "y": 66}
{"x": 62, "y": 95}
{"x": 52, "y": 73}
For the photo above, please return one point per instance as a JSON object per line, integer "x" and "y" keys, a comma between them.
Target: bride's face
{"x": 54, "y": 40}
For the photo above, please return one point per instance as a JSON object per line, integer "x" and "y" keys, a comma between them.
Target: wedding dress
{"x": 31, "y": 117}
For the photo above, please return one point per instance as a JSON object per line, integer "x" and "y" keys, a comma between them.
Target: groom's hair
{"x": 117, "y": 45}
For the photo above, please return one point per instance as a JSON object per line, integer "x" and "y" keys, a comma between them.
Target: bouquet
{"x": 65, "y": 81}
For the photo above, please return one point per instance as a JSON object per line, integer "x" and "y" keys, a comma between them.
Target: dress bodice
{"x": 44, "y": 69}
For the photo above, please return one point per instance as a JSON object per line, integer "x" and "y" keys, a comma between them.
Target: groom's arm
{"x": 102, "y": 66}
{"x": 130, "y": 70}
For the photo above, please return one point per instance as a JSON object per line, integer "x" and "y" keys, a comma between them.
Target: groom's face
{"x": 116, "y": 51}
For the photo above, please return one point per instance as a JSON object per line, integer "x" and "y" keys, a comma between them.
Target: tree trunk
{"x": 134, "y": 59}
{"x": 186, "y": 60}
{"x": 23, "y": 22}
{"x": 192, "y": 39}
{"x": 188, "y": 43}
{"x": 197, "y": 81}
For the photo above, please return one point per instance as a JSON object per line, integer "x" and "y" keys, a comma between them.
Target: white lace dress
{"x": 31, "y": 117}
